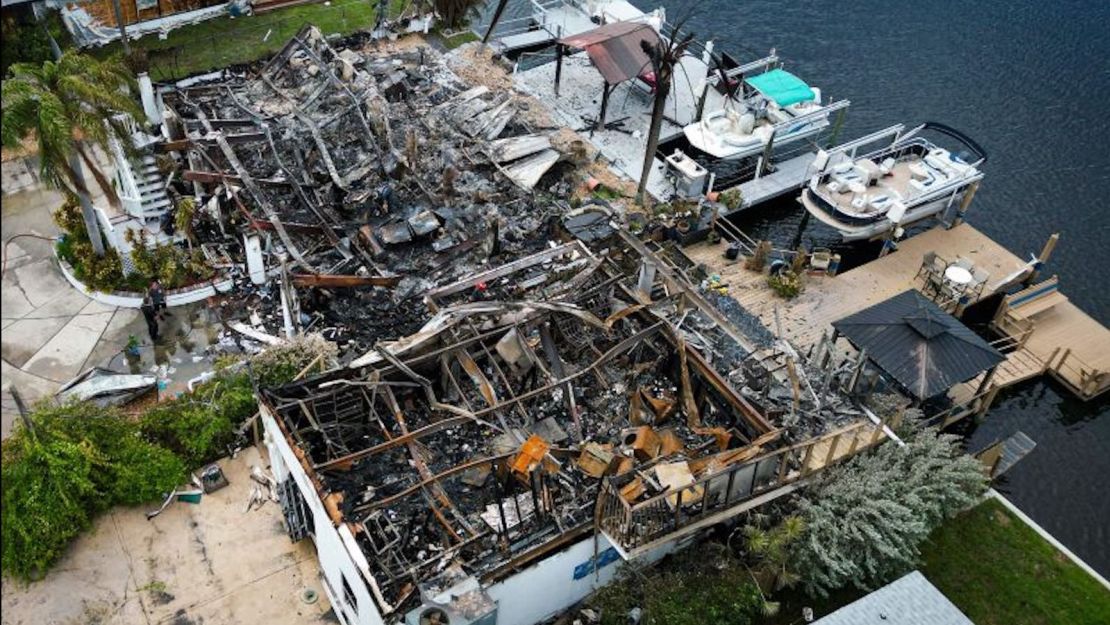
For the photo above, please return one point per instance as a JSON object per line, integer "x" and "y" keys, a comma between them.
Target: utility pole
{"x": 122, "y": 27}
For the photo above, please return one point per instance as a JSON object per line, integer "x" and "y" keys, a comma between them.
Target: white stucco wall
{"x": 335, "y": 561}
{"x": 548, "y": 587}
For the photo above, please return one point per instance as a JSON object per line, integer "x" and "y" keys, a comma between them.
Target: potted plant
{"x": 132, "y": 347}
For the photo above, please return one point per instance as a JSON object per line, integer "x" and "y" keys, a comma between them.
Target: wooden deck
{"x": 827, "y": 299}
{"x": 1049, "y": 333}
{"x": 1075, "y": 348}
{"x": 1054, "y": 333}
{"x": 1020, "y": 365}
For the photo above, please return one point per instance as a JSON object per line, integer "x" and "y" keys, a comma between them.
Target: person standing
{"x": 158, "y": 298}
{"x": 151, "y": 316}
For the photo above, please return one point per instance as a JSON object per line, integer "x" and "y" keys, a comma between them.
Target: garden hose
{"x": 4, "y": 262}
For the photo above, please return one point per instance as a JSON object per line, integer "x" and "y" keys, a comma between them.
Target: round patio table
{"x": 958, "y": 276}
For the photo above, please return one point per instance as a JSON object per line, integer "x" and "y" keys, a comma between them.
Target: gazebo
{"x": 617, "y": 50}
{"x": 923, "y": 349}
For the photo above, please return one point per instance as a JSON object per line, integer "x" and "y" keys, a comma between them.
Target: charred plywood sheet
{"x": 527, "y": 171}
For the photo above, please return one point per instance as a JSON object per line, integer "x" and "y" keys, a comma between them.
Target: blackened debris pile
{"x": 366, "y": 177}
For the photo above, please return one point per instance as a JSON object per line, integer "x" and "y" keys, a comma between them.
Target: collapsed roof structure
{"x": 562, "y": 397}
{"x": 382, "y": 172}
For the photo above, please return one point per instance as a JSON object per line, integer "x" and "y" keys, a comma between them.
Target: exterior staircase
{"x": 152, "y": 190}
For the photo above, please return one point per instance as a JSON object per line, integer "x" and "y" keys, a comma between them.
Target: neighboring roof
{"x": 782, "y": 87}
{"x": 923, "y": 348}
{"x": 911, "y": 600}
{"x": 616, "y": 49}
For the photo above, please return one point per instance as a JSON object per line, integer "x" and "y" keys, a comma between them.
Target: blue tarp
{"x": 782, "y": 87}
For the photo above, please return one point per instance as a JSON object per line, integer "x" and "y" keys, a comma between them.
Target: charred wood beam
{"x": 547, "y": 341}
{"x": 332, "y": 281}
{"x": 367, "y": 137}
{"x": 614, "y": 352}
{"x": 179, "y": 145}
{"x": 261, "y": 200}
{"x": 751, "y": 413}
{"x": 232, "y": 123}
{"x": 445, "y": 368}
{"x": 433, "y": 492}
{"x": 345, "y": 462}
{"x": 328, "y": 232}
{"x": 291, "y": 226}
{"x": 209, "y": 177}
{"x": 374, "y": 505}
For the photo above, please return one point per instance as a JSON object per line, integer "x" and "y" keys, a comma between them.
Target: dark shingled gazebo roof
{"x": 924, "y": 349}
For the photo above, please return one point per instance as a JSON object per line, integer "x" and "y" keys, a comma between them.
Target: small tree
{"x": 455, "y": 13}
{"x": 866, "y": 519}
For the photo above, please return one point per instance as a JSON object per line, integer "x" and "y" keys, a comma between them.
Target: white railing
{"x": 128, "y": 187}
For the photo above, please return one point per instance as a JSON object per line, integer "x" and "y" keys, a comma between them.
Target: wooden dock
{"x": 825, "y": 299}
{"x": 789, "y": 176}
{"x": 1042, "y": 332}
{"x": 1056, "y": 334}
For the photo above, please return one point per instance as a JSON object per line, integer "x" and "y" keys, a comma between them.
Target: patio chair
{"x": 979, "y": 279}
{"x": 820, "y": 259}
{"x": 926, "y": 263}
{"x": 964, "y": 263}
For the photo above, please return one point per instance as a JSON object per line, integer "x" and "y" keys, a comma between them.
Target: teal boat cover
{"x": 782, "y": 87}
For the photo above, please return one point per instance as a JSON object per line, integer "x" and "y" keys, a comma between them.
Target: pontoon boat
{"x": 906, "y": 181}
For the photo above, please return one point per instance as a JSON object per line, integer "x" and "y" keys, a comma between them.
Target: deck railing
{"x": 719, "y": 495}
{"x": 1073, "y": 371}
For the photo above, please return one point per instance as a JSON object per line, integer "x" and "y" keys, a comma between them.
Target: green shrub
{"x": 130, "y": 470}
{"x": 732, "y": 198}
{"x": 80, "y": 459}
{"x": 786, "y": 285}
{"x": 758, "y": 260}
{"x": 691, "y": 590}
{"x": 100, "y": 273}
{"x": 172, "y": 266}
{"x": 200, "y": 426}
{"x": 278, "y": 365}
{"x": 48, "y": 495}
{"x": 866, "y": 519}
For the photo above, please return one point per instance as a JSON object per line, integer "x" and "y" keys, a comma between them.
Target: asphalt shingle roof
{"x": 911, "y": 600}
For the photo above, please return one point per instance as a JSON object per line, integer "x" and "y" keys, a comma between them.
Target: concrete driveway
{"x": 210, "y": 563}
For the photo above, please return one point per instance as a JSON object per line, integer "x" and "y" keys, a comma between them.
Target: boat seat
{"x": 881, "y": 202}
{"x": 836, "y": 187}
{"x": 936, "y": 162}
{"x": 1039, "y": 305}
{"x": 920, "y": 171}
{"x": 887, "y": 166}
{"x": 859, "y": 203}
{"x": 922, "y": 186}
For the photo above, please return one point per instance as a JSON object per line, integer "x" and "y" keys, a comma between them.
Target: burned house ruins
{"x": 529, "y": 396}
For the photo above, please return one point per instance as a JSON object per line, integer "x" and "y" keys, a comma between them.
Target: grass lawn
{"x": 223, "y": 41}
{"x": 999, "y": 571}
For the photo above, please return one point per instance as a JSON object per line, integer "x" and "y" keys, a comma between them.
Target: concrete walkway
{"x": 210, "y": 563}
{"x": 52, "y": 332}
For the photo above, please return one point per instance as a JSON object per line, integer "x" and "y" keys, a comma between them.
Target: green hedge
{"x": 79, "y": 460}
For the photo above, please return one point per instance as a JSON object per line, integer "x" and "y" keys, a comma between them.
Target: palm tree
{"x": 496, "y": 18}
{"x": 664, "y": 55}
{"x": 64, "y": 105}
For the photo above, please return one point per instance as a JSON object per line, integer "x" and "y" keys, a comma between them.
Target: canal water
{"x": 1029, "y": 80}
